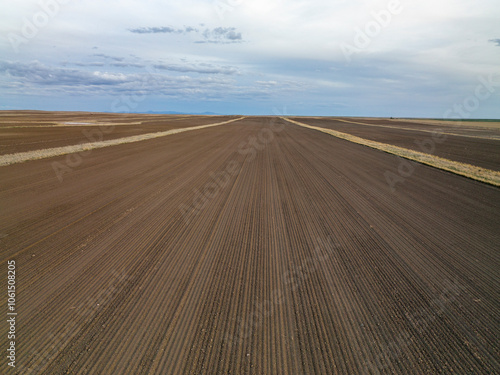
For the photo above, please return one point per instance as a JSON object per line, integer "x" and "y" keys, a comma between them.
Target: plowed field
{"x": 256, "y": 247}
{"x": 464, "y": 143}
{"x": 45, "y": 131}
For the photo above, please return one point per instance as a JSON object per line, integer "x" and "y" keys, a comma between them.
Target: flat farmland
{"x": 253, "y": 247}
{"x": 47, "y": 130}
{"x": 467, "y": 142}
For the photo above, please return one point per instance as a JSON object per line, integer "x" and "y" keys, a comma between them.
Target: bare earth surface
{"x": 256, "y": 247}
{"x": 465, "y": 144}
{"x": 39, "y": 132}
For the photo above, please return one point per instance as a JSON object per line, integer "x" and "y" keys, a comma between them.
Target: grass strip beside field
{"x": 470, "y": 171}
{"x": 21, "y": 157}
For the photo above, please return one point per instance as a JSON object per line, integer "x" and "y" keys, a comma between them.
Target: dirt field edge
{"x": 21, "y": 157}
{"x": 467, "y": 170}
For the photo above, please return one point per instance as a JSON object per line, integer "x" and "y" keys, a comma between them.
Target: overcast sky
{"x": 405, "y": 58}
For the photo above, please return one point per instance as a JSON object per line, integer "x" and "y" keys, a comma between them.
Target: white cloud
{"x": 429, "y": 47}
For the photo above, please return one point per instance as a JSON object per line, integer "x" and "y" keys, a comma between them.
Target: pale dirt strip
{"x": 470, "y": 171}
{"x": 419, "y": 130}
{"x": 475, "y": 124}
{"x": 21, "y": 157}
{"x": 56, "y": 124}
{"x": 69, "y": 124}
{"x": 487, "y": 125}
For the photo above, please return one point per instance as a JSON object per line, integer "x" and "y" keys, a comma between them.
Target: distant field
{"x": 465, "y": 144}
{"x": 27, "y": 133}
{"x": 253, "y": 247}
{"x": 472, "y": 121}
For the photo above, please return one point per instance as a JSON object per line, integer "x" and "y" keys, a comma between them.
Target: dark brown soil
{"x": 467, "y": 148}
{"x": 36, "y": 132}
{"x": 245, "y": 250}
